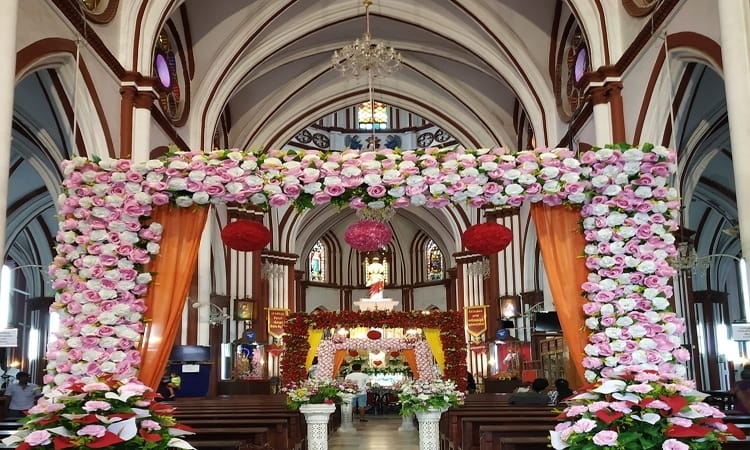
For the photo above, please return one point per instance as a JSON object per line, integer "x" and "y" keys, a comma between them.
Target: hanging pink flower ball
{"x": 368, "y": 235}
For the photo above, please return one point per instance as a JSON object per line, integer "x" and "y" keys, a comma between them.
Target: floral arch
{"x": 444, "y": 339}
{"x": 117, "y": 215}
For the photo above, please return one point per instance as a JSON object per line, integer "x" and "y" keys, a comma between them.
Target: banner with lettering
{"x": 476, "y": 319}
{"x": 276, "y": 321}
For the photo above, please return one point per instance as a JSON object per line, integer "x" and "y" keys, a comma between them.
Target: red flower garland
{"x": 486, "y": 238}
{"x": 450, "y": 324}
{"x": 368, "y": 235}
{"x": 246, "y": 235}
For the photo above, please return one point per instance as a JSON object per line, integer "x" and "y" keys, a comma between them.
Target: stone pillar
{"x": 8, "y": 22}
{"x": 734, "y": 18}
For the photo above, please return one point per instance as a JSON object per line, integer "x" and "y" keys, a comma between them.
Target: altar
{"x": 367, "y": 304}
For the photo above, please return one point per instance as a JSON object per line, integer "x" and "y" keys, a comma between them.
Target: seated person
{"x": 561, "y": 392}
{"x": 173, "y": 385}
{"x": 536, "y": 396}
{"x": 741, "y": 391}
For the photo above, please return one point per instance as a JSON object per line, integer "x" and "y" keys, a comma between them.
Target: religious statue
{"x": 376, "y": 279}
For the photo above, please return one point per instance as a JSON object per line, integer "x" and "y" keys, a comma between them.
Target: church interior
{"x": 282, "y": 83}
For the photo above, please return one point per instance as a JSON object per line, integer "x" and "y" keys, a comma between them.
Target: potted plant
{"x": 433, "y": 395}
{"x": 641, "y": 408}
{"x": 109, "y": 413}
{"x": 312, "y": 391}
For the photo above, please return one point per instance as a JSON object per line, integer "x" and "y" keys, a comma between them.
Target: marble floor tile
{"x": 378, "y": 433}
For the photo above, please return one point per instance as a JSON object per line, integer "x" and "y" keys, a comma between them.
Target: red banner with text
{"x": 476, "y": 319}
{"x": 276, "y": 321}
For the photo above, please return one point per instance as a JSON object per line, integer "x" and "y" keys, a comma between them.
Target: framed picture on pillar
{"x": 244, "y": 309}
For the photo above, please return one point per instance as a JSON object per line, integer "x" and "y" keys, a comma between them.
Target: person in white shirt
{"x": 22, "y": 395}
{"x": 360, "y": 400}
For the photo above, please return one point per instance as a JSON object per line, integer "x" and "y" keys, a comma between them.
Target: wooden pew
{"x": 453, "y": 424}
{"x": 471, "y": 427}
{"x": 493, "y": 437}
{"x": 229, "y": 437}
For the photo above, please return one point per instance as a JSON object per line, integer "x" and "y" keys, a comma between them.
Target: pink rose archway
{"x": 628, "y": 213}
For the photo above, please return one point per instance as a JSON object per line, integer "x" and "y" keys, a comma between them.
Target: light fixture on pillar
{"x": 216, "y": 315}
{"x": 370, "y": 57}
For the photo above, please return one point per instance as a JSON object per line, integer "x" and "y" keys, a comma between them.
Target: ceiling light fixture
{"x": 368, "y": 56}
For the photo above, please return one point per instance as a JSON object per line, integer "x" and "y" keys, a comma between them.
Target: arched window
{"x": 373, "y": 115}
{"x": 435, "y": 263}
{"x": 317, "y": 262}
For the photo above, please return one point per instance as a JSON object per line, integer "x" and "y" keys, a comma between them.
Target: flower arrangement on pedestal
{"x": 419, "y": 395}
{"x": 316, "y": 391}
{"x": 110, "y": 414}
{"x": 641, "y": 409}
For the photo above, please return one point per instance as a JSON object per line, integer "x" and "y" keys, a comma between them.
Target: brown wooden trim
{"x": 127, "y": 100}
{"x": 188, "y": 42}
{"x": 69, "y": 8}
{"x": 643, "y": 39}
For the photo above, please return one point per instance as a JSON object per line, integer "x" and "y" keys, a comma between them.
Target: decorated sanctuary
{"x": 223, "y": 212}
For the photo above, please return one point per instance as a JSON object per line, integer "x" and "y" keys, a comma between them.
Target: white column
{"x": 734, "y": 17}
{"x": 142, "y": 124}
{"x": 602, "y": 123}
{"x": 204, "y": 284}
{"x": 8, "y": 22}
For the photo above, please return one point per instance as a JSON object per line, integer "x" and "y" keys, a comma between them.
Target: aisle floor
{"x": 378, "y": 433}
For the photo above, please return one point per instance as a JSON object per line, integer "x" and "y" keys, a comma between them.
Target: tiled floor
{"x": 378, "y": 433}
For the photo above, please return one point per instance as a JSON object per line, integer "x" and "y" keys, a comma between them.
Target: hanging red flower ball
{"x": 368, "y": 235}
{"x": 246, "y": 235}
{"x": 486, "y": 238}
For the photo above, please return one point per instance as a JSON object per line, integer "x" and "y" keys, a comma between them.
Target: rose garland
{"x": 450, "y": 324}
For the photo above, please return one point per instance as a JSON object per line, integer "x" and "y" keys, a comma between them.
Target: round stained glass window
{"x": 162, "y": 70}
{"x": 581, "y": 64}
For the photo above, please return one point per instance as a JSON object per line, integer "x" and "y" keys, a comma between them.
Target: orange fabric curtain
{"x": 562, "y": 243}
{"x": 411, "y": 358}
{"x": 173, "y": 271}
{"x": 338, "y": 358}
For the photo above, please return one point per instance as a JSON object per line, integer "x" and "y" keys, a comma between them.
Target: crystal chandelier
{"x": 366, "y": 55}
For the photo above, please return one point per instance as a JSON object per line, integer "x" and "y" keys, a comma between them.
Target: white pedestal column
{"x": 407, "y": 423}
{"x": 317, "y": 416}
{"x": 346, "y": 414}
{"x": 429, "y": 429}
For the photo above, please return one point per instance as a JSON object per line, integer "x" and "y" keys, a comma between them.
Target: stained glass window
{"x": 369, "y": 117}
{"x": 165, "y": 66}
{"x": 317, "y": 262}
{"x": 434, "y": 257}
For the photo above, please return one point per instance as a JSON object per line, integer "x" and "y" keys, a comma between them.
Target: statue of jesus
{"x": 376, "y": 279}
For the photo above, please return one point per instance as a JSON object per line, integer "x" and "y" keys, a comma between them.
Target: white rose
{"x": 258, "y": 198}
{"x": 418, "y": 200}
{"x": 397, "y": 192}
{"x": 351, "y": 171}
{"x": 183, "y": 201}
{"x": 592, "y": 323}
{"x": 372, "y": 179}
{"x": 312, "y": 188}
{"x": 177, "y": 184}
{"x": 637, "y": 331}
{"x": 249, "y": 165}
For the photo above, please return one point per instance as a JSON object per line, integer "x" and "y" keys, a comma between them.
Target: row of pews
{"x": 488, "y": 422}
{"x": 245, "y": 422}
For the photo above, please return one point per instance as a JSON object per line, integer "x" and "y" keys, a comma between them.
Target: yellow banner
{"x": 476, "y": 319}
{"x": 276, "y": 321}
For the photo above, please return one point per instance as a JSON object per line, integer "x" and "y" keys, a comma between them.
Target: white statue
{"x": 376, "y": 279}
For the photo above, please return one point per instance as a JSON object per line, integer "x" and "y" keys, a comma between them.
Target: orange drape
{"x": 173, "y": 271}
{"x": 411, "y": 358}
{"x": 562, "y": 243}
{"x": 338, "y": 359}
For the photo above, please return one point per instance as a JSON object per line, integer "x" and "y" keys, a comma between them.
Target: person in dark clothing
{"x": 535, "y": 396}
{"x": 561, "y": 392}
{"x": 471, "y": 385}
{"x": 741, "y": 391}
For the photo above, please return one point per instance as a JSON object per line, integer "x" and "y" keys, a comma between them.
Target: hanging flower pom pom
{"x": 486, "y": 238}
{"x": 368, "y": 235}
{"x": 245, "y": 235}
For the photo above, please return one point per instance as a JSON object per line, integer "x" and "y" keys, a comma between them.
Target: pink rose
{"x": 38, "y": 438}
{"x": 605, "y": 438}
{"x": 92, "y": 430}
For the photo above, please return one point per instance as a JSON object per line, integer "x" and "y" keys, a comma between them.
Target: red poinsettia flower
{"x": 693, "y": 431}
{"x": 106, "y": 440}
{"x": 608, "y": 416}
{"x": 149, "y": 437}
{"x": 62, "y": 443}
{"x": 676, "y": 402}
